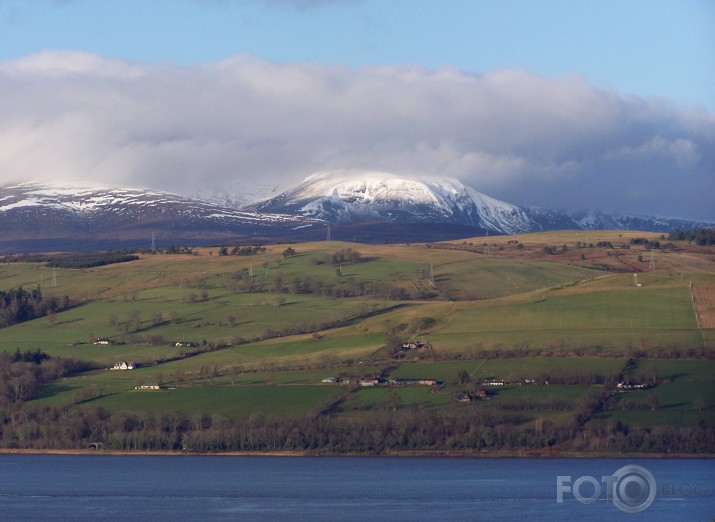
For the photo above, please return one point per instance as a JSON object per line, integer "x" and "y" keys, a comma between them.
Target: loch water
{"x": 118, "y": 487}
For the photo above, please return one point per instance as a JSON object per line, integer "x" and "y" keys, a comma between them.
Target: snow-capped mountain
{"x": 347, "y": 197}
{"x": 365, "y": 206}
{"x": 30, "y": 211}
{"x": 359, "y": 196}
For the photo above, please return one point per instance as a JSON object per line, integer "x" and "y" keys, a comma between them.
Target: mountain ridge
{"x": 361, "y": 206}
{"x": 34, "y": 215}
{"x": 354, "y": 196}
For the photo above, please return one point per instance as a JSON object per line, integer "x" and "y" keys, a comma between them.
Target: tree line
{"x": 242, "y": 250}
{"x": 461, "y": 429}
{"x": 699, "y": 236}
{"x": 79, "y": 260}
{"x": 21, "y": 374}
{"x": 19, "y": 305}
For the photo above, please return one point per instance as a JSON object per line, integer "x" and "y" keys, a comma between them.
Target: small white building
{"x": 123, "y": 366}
{"x": 427, "y": 382}
{"x": 626, "y": 386}
{"x": 412, "y": 345}
{"x": 147, "y": 387}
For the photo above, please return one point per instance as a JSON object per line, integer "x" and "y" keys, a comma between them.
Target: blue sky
{"x": 652, "y": 47}
{"x": 578, "y": 105}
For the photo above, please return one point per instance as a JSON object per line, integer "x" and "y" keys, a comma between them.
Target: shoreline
{"x": 391, "y": 454}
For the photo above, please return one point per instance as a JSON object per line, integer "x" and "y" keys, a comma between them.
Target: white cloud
{"x": 243, "y": 122}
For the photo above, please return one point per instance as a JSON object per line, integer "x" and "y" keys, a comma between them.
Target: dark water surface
{"x": 88, "y": 487}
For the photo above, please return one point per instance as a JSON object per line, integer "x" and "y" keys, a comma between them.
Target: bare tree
{"x": 135, "y": 319}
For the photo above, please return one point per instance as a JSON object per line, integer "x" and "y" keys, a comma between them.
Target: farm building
{"x": 408, "y": 382}
{"x": 123, "y": 366}
{"x": 625, "y": 386}
{"x": 412, "y": 345}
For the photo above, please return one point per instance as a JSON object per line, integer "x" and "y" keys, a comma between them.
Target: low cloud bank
{"x": 245, "y": 125}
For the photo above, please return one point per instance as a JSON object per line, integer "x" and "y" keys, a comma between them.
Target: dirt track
{"x": 704, "y": 300}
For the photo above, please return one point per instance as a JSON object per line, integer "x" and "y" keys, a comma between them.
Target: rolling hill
{"x": 334, "y": 347}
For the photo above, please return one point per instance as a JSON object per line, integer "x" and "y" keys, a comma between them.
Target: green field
{"x": 508, "y": 369}
{"x": 650, "y": 316}
{"x": 394, "y": 398}
{"x": 233, "y": 402}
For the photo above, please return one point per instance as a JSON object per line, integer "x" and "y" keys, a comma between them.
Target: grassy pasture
{"x": 686, "y": 394}
{"x": 195, "y": 322}
{"x": 301, "y": 349}
{"x": 304, "y": 377}
{"x": 264, "y": 356}
{"x": 686, "y": 259}
{"x": 369, "y": 269}
{"x": 82, "y": 284}
{"x": 391, "y": 398}
{"x": 252, "y": 315}
{"x": 483, "y": 369}
{"x": 231, "y": 401}
{"x": 489, "y": 278}
{"x": 513, "y": 297}
{"x": 674, "y": 370}
{"x": 109, "y": 382}
{"x": 680, "y": 403}
{"x": 651, "y": 316}
{"x": 538, "y": 395}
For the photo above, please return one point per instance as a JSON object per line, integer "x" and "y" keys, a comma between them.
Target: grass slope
{"x": 519, "y": 297}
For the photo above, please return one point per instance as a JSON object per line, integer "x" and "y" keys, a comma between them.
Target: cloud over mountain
{"x": 246, "y": 125}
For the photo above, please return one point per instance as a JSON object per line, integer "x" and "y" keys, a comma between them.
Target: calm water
{"x": 58, "y": 487}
